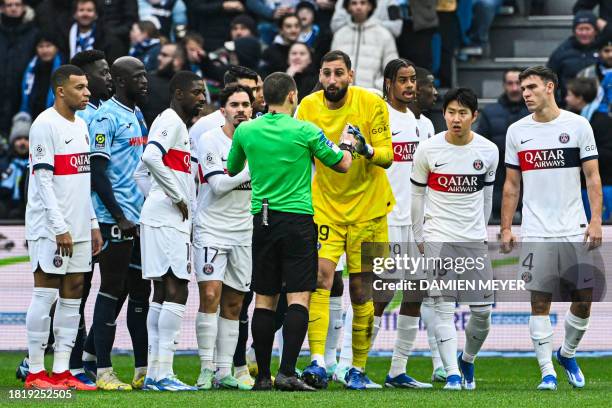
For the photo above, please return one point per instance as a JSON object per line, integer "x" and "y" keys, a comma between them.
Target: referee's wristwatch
{"x": 348, "y": 146}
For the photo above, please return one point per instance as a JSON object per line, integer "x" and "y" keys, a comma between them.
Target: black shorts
{"x": 112, "y": 234}
{"x": 284, "y": 253}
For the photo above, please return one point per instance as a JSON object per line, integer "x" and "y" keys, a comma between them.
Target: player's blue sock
{"x": 137, "y": 325}
{"x": 76, "y": 355}
{"x": 104, "y": 326}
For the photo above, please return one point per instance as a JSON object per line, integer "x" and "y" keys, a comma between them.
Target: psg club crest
{"x": 57, "y": 261}
{"x": 564, "y": 138}
{"x": 478, "y": 165}
{"x": 526, "y": 277}
{"x": 208, "y": 269}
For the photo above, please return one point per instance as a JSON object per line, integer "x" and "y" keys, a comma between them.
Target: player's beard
{"x": 337, "y": 96}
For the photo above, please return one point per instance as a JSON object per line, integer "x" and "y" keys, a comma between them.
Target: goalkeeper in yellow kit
{"x": 350, "y": 208}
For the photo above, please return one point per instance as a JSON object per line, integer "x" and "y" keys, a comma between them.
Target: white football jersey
{"x": 549, "y": 156}
{"x": 169, "y": 134}
{"x": 426, "y": 128}
{"x": 405, "y": 138}
{"x": 61, "y": 146}
{"x": 204, "y": 124}
{"x": 220, "y": 219}
{"x": 455, "y": 177}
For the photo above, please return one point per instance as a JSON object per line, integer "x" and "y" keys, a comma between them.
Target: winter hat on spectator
{"x": 248, "y": 51}
{"x": 604, "y": 40}
{"x": 21, "y": 126}
{"x": 246, "y": 21}
{"x": 585, "y": 17}
{"x": 308, "y": 4}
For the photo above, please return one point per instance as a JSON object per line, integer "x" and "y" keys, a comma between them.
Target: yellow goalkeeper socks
{"x": 363, "y": 321}
{"x": 318, "y": 322}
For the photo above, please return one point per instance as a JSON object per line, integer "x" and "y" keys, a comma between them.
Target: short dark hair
{"x": 77, "y": 2}
{"x": 346, "y": 3}
{"x": 193, "y": 36}
{"x": 237, "y": 72}
{"x": 63, "y": 73}
{"x": 391, "y": 70}
{"x": 423, "y": 76}
{"x": 286, "y": 16}
{"x": 231, "y": 89}
{"x": 182, "y": 80}
{"x": 84, "y": 58}
{"x": 546, "y": 74}
{"x": 149, "y": 28}
{"x": 337, "y": 55}
{"x": 511, "y": 69}
{"x": 464, "y": 97}
{"x": 276, "y": 87}
{"x": 586, "y": 88}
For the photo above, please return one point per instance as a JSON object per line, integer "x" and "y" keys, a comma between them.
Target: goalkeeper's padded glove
{"x": 361, "y": 146}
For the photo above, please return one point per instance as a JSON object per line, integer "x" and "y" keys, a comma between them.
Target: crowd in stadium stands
{"x": 207, "y": 36}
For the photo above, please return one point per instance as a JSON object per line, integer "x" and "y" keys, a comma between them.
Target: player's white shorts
{"x": 231, "y": 264}
{"x": 450, "y": 275}
{"x": 43, "y": 252}
{"x": 554, "y": 265}
{"x": 401, "y": 241}
{"x": 164, "y": 248}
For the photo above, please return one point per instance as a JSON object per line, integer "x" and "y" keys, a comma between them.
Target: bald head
{"x": 130, "y": 79}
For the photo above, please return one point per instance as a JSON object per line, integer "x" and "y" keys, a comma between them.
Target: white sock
{"x": 153, "y": 333}
{"x": 407, "y": 329}
{"x": 65, "y": 329}
{"x": 38, "y": 323}
{"x": 446, "y": 333}
{"x": 278, "y": 336}
{"x": 375, "y": 329}
{"x": 575, "y": 327}
{"x": 169, "y": 326}
{"x": 476, "y": 331}
{"x": 333, "y": 331}
{"x": 319, "y": 359}
{"x": 241, "y": 370}
{"x": 227, "y": 339}
{"x": 346, "y": 352}
{"x": 428, "y": 315}
{"x": 541, "y": 332}
{"x": 206, "y": 333}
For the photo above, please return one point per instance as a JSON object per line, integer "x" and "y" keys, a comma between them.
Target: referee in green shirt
{"x": 280, "y": 151}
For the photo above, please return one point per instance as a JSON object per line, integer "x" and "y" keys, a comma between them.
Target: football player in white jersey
{"x": 452, "y": 177}
{"x": 61, "y": 228}
{"x": 166, "y": 226}
{"x": 547, "y": 150}
{"x": 222, "y": 246}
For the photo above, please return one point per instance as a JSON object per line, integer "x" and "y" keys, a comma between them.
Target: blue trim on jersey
{"x": 418, "y": 184}
{"x": 193, "y": 159}
{"x": 489, "y": 183}
{"x": 43, "y": 166}
{"x": 589, "y": 158}
{"x": 154, "y": 143}
{"x": 513, "y": 166}
{"x": 213, "y": 173}
{"x": 101, "y": 154}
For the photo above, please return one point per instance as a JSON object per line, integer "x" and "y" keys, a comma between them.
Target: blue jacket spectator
{"x": 144, "y": 38}
{"x": 14, "y": 170}
{"x": 212, "y": 18}
{"x": 170, "y": 14}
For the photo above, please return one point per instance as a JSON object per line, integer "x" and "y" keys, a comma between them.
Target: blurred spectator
{"x": 144, "y": 39}
{"x": 243, "y": 26}
{"x": 581, "y": 94}
{"x": 159, "y": 84}
{"x": 450, "y": 36}
{"x": 244, "y": 48}
{"x": 83, "y": 34}
{"x": 323, "y": 19}
{"x": 302, "y": 69}
{"x": 602, "y": 130}
{"x": 37, "y": 93}
{"x": 484, "y": 12}
{"x": 381, "y": 11}
{"x": 604, "y": 61}
{"x": 274, "y": 58}
{"x": 605, "y": 10}
{"x": 14, "y": 172}
{"x": 170, "y": 14}
{"x": 577, "y": 52}
{"x": 420, "y": 21}
{"x": 367, "y": 42}
{"x": 494, "y": 121}
{"x": 309, "y": 34}
{"x": 17, "y": 41}
{"x": 269, "y": 12}
{"x": 211, "y": 18}
{"x": 199, "y": 61}
{"x": 116, "y": 19}
{"x": 56, "y": 16}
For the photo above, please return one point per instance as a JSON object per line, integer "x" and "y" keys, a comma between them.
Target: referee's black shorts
{"x": 284, "y": 253}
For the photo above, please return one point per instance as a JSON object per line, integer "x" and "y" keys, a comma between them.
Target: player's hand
{"x": 593, "y": 235}
{"x": 507, "y": 241}
{"x": 361, "y": 146}
{"x": 64, "y": 244}
{"x": 182, "y": 206}
{"x": 96, "y": 241}
{"x": 127, "y": 227}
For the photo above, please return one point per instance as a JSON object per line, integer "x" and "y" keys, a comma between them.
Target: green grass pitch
{"x": 502, "y": 382}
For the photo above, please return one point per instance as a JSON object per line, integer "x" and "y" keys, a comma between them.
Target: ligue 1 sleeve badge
{"x": 564, "y": 138}
{"x": 478, "y": 165}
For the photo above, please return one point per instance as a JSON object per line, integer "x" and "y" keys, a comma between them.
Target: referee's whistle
{"x": 264, "y": 212}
